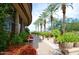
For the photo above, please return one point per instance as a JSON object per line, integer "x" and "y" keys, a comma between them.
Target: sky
{"x": 37, "y": 9}
{"x": 52, "y": 1}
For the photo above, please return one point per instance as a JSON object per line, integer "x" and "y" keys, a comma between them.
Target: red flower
{"x": 30, "y": 37}
{"x": 27, "y": 50}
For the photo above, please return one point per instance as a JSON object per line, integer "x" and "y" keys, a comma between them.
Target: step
{"x": 71, "y": 51}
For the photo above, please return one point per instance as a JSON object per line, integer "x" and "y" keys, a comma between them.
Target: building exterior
{"x": 22, "y": 17}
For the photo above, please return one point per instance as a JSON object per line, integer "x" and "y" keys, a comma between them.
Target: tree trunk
{"x": 38, "y": 27}
{"x": 44, "y": 25}
{"x": 41, "y": 27}
{"x": 63, "y": 21}
{"x": 51, "y": 22}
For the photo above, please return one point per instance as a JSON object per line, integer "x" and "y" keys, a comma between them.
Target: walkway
{"x": 44, "y": 47}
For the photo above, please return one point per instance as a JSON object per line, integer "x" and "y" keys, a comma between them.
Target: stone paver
{"x": 44, "y": 46}
{"x": 48, "y": 47}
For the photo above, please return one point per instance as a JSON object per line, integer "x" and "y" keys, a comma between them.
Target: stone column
{"x": 22, "y": 27}
{"x": 17, "y": 25}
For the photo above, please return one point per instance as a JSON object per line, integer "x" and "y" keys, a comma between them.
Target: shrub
{"x": 16, "y": 39}
{"x": 27, "y": 30}
{"x": 68, "y": 37}
{"x": 46, "y": 34}
{"x": 21, "y": 38}
{"x": 4, "y": 40}
{"x": 36, "y": 33}
{"x": 56, "y": 33}
{"x": 23, "y": 35}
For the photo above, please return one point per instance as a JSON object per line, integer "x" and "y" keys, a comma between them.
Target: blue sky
{"x": 37, "y": 9}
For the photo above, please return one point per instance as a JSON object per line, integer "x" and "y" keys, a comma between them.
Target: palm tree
{"x": 51, "y": 11}
{"x": 44, "y": 15}
{"x": 63, "y": 8}
{"x": 37, "y": 24}
{"x": 52, "y": 8}
{"x": 40, "y": 23}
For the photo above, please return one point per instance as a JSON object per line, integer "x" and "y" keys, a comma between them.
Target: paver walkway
{"x": 44, "y": 47}
{"x": 48, "y": 47}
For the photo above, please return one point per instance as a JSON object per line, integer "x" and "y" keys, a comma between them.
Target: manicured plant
{"x": 16, "y": 39}
{"x": 67, "y": 40}
{"x": 27, "y": 30}
{"x": 46, "y": 34}
{"x": 24, "y": 35}
{"x": 21, "y": 37}
{"x": 56, "y": 33}
{"x": 68, "y": 37}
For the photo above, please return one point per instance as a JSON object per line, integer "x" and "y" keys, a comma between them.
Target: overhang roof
{"x": 25, "y": 12}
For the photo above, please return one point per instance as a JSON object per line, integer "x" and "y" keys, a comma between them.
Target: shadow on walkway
{"x": 36, "y": 41}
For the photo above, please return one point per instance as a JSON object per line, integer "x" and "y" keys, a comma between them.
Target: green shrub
{"x": 56, "y": 33}
{"x": 4, "y": 40}
{"x": 46, "y": 34}
{"x": 21, "y": 38}
{"x": 36, "y": 33}
{"x": 24, "y": 34}
{"x": 17, "y": 40}
{"x": 50, "y": 34}
{"x": 68, "y": 37}
{"x": 27, "y": 30}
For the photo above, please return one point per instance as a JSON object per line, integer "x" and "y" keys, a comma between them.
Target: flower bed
{"x": 20, "y": 50}
{"x": 26, "y": 50}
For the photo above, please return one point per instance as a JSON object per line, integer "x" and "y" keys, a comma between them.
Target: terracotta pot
{"x": 76, "y": 44}
{"x": 66, "y": 45}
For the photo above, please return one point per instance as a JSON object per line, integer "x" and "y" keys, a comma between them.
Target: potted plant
{"x": 76, "y": 44}
{"x": 66, "y": 40}
{"x": 56, "y": 33}
{"x": 46, "y": 34}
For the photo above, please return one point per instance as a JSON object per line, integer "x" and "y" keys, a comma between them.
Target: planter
{"x": 76, "y": 44}
{"x": 66, "y": 45}
{"x": 40, "y": 37}
{"x": 55, "y": 41}
{"x": 46, "y": 38}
